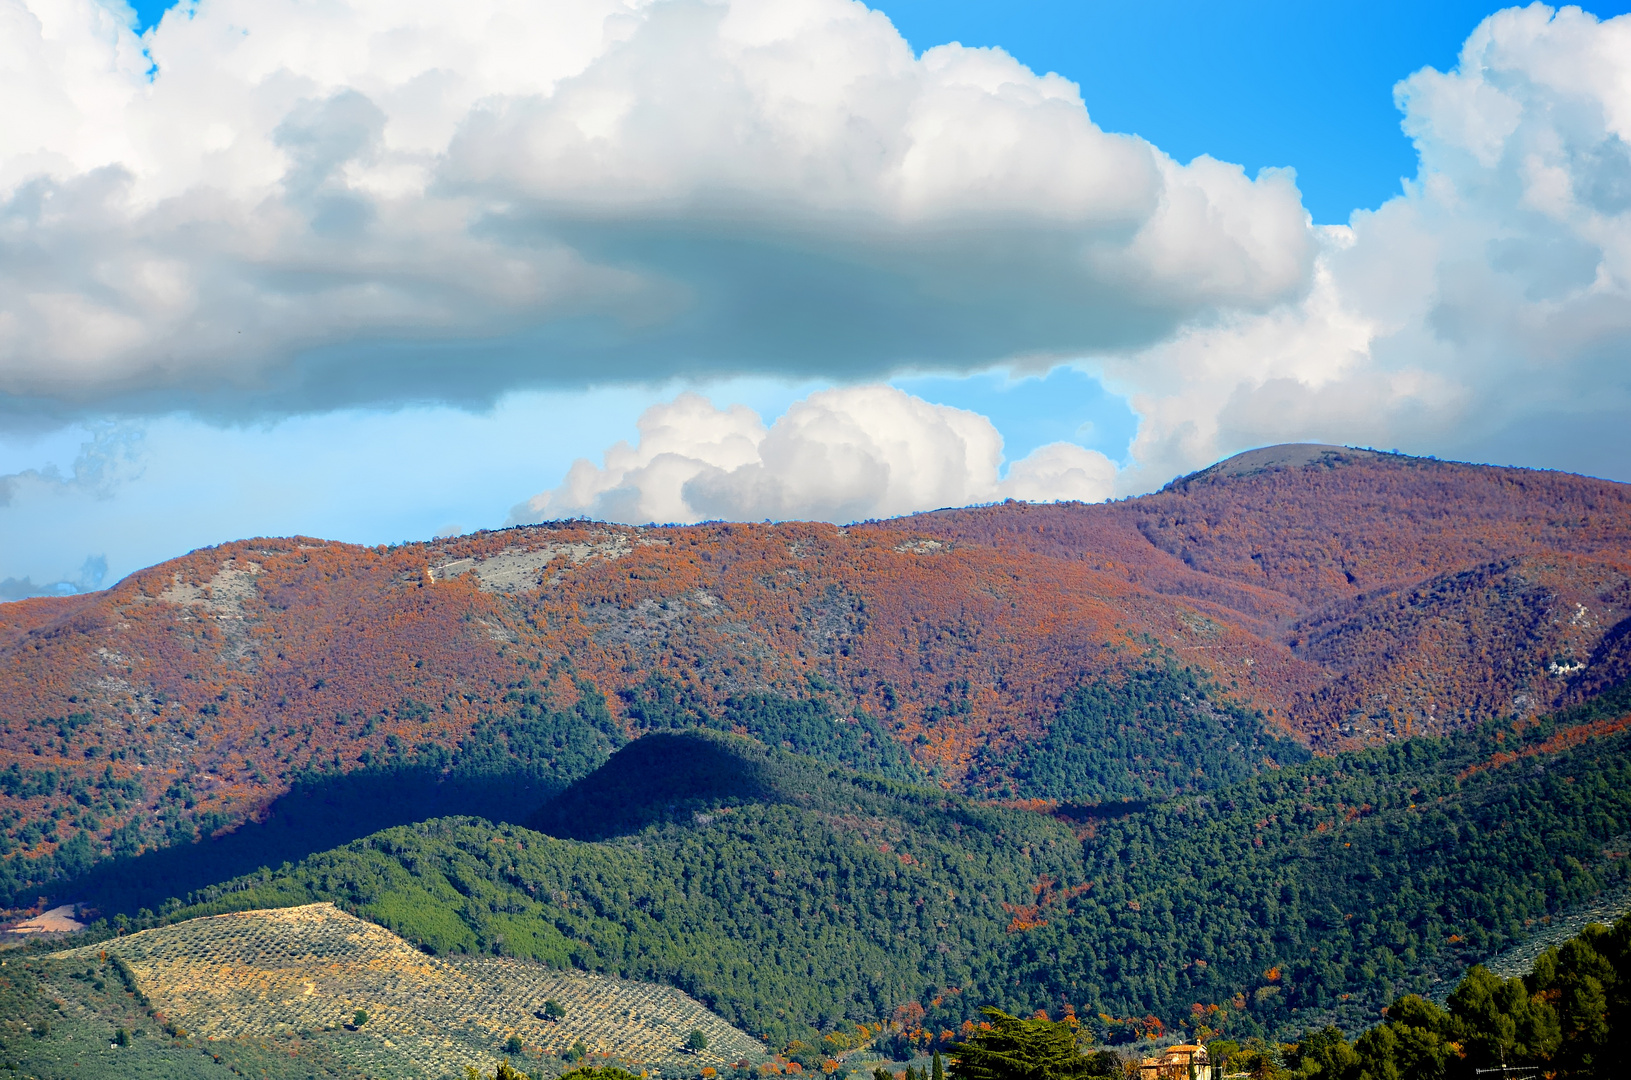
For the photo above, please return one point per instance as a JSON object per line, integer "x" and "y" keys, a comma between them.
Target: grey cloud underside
{"x": 708, "y": 301}
{"x": 740, "y": 302}
{"x": 1595, "y": 442}
{"x": 445, "y": 205}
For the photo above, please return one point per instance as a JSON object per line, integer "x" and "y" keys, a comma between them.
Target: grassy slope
{"x": 82, "y": 1006}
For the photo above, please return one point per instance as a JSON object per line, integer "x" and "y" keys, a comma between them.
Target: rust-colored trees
{"x": 1362, "y": 597}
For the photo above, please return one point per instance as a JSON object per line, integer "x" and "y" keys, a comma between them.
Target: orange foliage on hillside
{"x": 1563, "y": 740}
{"x": 1354, "y": 597}
{"x": 1427, "y": 594}
{"x": 1048, "y": 894}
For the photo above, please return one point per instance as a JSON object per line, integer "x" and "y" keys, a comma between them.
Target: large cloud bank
{"x": 277, "y": 205}
{"x": 1485, "y": 312}
{"x": 288, "y": 206}
{"x": 838, "y": 455}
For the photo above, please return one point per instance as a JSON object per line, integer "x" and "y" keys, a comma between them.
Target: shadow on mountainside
{"x": 655, "y": 778}
{"x": 315, "y": 815}
{"x": 662, "y": 776}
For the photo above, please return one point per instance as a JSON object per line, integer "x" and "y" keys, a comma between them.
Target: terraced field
{"x": 307, "y": 970}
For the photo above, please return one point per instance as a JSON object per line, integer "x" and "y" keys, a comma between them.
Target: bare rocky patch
{"x": 520, "y": 570}
{"x": 221, "y": 600}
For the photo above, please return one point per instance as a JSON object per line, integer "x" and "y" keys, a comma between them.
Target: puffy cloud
{"x": 1060, "y": 471}
{"x": 838, "y": 455}
{"x": 1485, "y": 312}
{"x": 271, "y": 204}
{"x": 111, "y": 457}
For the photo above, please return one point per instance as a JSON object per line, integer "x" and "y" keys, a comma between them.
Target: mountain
{"x": 1427, "y": 594}
{"x": 279, "y": 697}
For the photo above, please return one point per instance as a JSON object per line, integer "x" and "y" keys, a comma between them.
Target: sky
{"x": 380, "y": 271}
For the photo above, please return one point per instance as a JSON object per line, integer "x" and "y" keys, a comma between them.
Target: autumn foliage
{"x": 1352, "y": 599}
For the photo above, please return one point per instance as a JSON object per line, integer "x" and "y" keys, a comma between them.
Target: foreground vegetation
{"x": 803, "y": 901}
{"x": 1569, "y": 1018}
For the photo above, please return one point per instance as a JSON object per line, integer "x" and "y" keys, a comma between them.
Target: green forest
{"x": 1568, "y": 1017}
{"x": 510, "y": 763}
{"x": 799, "y": 898}
{"x": 1161, "y": 731}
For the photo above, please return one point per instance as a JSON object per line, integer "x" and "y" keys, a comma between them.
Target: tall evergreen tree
{"x": 1015, "y": 1049}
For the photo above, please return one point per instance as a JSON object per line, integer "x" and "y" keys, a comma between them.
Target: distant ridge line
{"x": 1281, "y": 456}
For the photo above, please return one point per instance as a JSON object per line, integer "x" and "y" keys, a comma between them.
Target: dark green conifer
{"x": 1015, "y": 1049}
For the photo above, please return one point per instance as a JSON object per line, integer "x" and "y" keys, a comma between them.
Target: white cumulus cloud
{"x": 1484, "y": 312}
{"x": 838, "y": 455}
{"x": 279, "y": 205}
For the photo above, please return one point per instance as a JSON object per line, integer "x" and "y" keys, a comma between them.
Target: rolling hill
{"x": 278, "y": 992}
{"x": 305, "y": 971}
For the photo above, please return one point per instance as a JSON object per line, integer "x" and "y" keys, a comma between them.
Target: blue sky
{"x": 378, "y": 371}
{"x": 1271, "y": 82}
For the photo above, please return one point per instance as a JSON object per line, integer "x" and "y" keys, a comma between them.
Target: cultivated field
{"x": 308, "y": 970}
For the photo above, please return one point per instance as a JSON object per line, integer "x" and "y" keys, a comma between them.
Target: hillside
{"x": 61, "y": 1020}
{"x": 305, "y": 693}
{"x": 800, "y": 900}
{"x": 1566, "y": 1014}
{"x": 292, "y": 980}
{"x": 1430, "y": 594}
{"x": 305, "y": 971}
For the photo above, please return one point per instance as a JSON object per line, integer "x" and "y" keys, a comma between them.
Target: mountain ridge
{"x": 1349, "y": 598}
